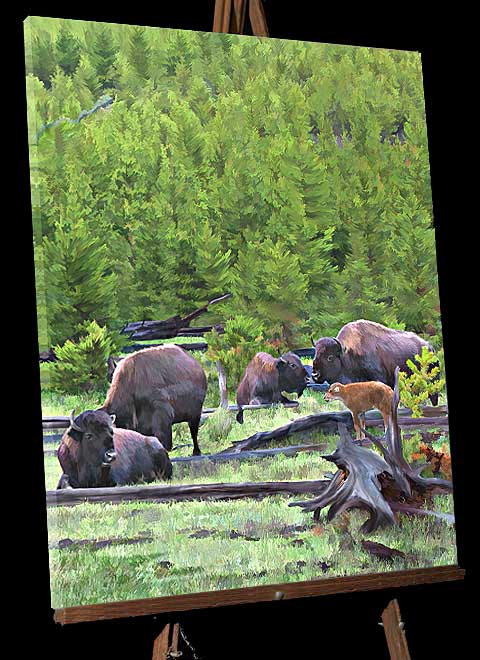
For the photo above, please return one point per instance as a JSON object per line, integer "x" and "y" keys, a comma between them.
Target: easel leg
{"x": 166, "y": 644}
{"x": 393, "y": 628}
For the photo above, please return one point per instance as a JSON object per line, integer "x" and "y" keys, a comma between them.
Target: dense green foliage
{"x": 424, "y": 380}
{"x": 293, "y": 174}
{"x": 82, "y": 364}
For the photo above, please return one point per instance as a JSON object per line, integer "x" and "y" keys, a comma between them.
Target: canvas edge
{"x": 323, "y": 587}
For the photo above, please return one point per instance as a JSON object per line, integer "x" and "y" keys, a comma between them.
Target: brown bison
{"x": 93, "y": 454}
{"x": 155, "y": 388}
{"x": 266, "y": 377}
{"x": 364, "y": 351}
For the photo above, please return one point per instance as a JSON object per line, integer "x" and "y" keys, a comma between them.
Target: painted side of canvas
{"x": 290, "y": 180}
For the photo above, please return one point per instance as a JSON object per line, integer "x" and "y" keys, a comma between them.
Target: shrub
{"x": 82, "y": 364}
{"x": 424, "y": 380}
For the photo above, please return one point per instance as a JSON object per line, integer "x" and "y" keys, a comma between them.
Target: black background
{"x": 345, "y": 624}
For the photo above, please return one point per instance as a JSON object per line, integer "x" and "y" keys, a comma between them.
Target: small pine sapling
{"x": 82, "y": 364}
{"x": 423, "y": 381}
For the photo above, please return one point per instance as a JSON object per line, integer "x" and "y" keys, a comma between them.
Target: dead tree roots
{"x": 380, "y": 484}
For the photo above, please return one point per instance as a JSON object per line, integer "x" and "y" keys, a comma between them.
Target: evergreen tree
{"x": 43, "y": 60}
{"x": 67, "y": 49}
{"x": 102, "y": 53}
{"x": 79, "y": 284}
{"x": 139, "y": 52}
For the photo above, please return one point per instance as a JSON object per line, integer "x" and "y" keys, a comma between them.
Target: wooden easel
{"x": 229, "y": 17}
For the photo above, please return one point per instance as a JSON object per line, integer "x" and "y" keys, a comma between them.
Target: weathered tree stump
{"x": 379, "y": 485}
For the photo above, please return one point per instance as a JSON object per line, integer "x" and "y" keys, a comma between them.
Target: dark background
{"x": 345, "y": 624}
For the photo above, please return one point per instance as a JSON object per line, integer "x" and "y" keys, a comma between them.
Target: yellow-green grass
{"x": 207, "y": 546}
{"x": 225, "y": 554}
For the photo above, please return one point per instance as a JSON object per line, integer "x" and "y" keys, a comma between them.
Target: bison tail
{"x": 239, "y": 417}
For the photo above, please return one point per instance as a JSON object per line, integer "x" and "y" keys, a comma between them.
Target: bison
{"x": 266, "y": 377}
{"x": 364, "y": 351}
{"x": 155, "y": 388}
{"x": 93, "y": 454}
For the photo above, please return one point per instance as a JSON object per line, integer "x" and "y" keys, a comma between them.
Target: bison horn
{"x": 313, "y": 342}
{"x": 73, "y": 424}
{"x": 339, "y": 346}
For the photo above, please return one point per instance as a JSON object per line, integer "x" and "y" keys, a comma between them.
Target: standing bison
{"x": 364, "y": 351}
{"x": 266, "y": 377}
{"x": 155, "y": 388}
{"x": 93, "y": 454}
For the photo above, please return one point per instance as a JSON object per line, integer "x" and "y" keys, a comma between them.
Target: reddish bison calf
{"x": 363, "y": 351}
{"x": 94, "y": 454}
{"x": 360, "y": 397}
{"x": 155, "y": 388}
{"x": 266, "y": 377}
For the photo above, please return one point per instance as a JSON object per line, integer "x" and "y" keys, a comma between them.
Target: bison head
{"x": 292, "y": 375}
{"x": 92, "y": 430}
{"x": 327, "y": 363}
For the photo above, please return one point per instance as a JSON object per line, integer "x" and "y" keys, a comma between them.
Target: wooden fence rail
{"x": 220, "y": 491}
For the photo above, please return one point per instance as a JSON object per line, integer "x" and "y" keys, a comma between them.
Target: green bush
{"x": 82, "y": 364}
{"x": 424, "y": 380}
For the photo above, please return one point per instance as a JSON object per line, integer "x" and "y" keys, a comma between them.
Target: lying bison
{"x": 155, "y": 388}
{"x": 266, "y": 377}
{"x": 94, "y": 454}
{"x": 364, "y": 351}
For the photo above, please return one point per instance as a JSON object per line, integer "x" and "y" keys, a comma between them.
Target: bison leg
{"x": 240, "y": 414}
{"x": 162, "y": 421}
{"x": 194, "y": 433}
{"x": 358, "y": 426}
{"x": 64, "y": 482}
{"x": 386, "y": 419}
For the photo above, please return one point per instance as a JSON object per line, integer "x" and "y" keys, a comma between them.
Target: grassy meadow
{"x": 112, "y": 552}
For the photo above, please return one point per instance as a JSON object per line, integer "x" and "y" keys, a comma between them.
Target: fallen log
{"x": 293, "y": 450}
{"x": 369, "y": 481}
{"x": 220, "y": 491}
{"x": 413, "y": 422}
{"x": 320, "y": 422}
{"x": 173, "y": 326}
{"x": 194, "y": 346}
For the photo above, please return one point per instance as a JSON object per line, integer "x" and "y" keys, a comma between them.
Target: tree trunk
{"x": 222, "y": 384}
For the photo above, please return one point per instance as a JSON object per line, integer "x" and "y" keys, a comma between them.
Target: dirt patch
{"x": 98, "y": 544}
{"x": 233, "y": 534}
{"x": 381, "y": 551}
{"x": 294, "y": 566}
{"x": 202, "y": 534}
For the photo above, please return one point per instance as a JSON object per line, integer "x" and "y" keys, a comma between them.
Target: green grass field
{"x": 139, "y": 550}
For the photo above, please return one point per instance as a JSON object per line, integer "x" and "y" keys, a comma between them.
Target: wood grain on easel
{"x": 393, "y": 627}
{"x": 229, "y": 17}
{"x": 166, "y": 643}
{"x": 321, "y": 587}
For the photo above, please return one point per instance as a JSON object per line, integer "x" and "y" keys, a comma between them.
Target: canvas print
{"x": 240, "y": 343}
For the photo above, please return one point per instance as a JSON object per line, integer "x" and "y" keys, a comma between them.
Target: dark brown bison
{"x": 93, "y": 454}
{"x": 155, "y": 388}
{"x": 364, "y": 351}
{"x": 266, "y": 377}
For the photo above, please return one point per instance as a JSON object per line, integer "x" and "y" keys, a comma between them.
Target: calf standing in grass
{"x": 360, "y": 397}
